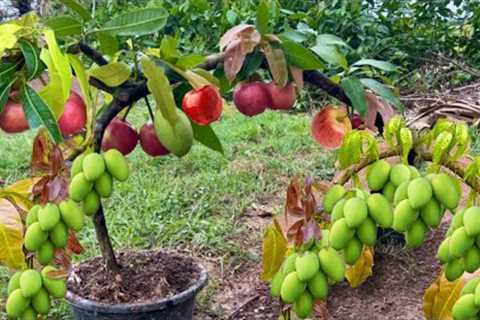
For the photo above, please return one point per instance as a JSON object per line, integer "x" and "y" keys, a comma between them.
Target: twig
{"x": 147, "y": 102}
{"x": 247, "y": 302}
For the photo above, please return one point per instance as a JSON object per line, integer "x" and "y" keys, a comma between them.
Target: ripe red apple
{"x": 120, "y": 135}
{"x": 12, "y": 118}
{"x": 74, "y": 115}
{"x": 283, "y": 98}
{"x": 330, "y": 125}
{"x": 357, "y": 121}
{"x": 150, "y": 142}
{"x": 251, "y": 98}
{"x": 204, "y": 105}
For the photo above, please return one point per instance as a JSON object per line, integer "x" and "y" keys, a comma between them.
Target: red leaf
{"x": 42, "y": 146}
{"x": 63, "y": 258}
{"x": 234, "y": 59}
{"x": 235, "y": 33}
{"x": 311, "y": 230}
{"x": 297, "y": 75}
{"x": 73, "y": 243}
{"x": 376, "y": 105}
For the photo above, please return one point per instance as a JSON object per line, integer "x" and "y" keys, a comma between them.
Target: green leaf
{"x": 331, "y": 55}
{"x": 112, "y": 74}
{"x": 39, "y": 114}
{"x": 330, "y": 39}
{"x": 137, "y": 22}
{"x": 384, "y": 92}
{"x": 65, "y": 26}
{"x": 263, "y": 17}
{"x": 78, "y": 8}
{"x": 206, "y": 136}
{"x": 379, "y": 64}
{"x": 356, "y": 93}
{"x": 190, "y": 60}
{"x": 168, "y": 48}
{"x": 7, "y": 70}
{"x": 252, "y": 62}
{"x": 108, "y": 43}
{"x": 292, "y": 34}
{"x": 4, "y": 92}
{"x": 300, "y": 56}
{"x": 32, "y": 61}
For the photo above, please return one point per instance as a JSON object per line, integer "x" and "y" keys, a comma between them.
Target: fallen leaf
{"x": 362, "y": 269}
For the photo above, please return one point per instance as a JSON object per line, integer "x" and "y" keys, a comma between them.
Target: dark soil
{"x": 145, "y": 276}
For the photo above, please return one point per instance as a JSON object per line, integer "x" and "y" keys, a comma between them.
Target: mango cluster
{"x": 468, "y": 305}
{"x": 355, "y": 216}
{"x": 30, "y": 293}
{"x": 304, "y": 277}
{"x": 460, "y": 251}
{"x": 48, "y": 227}
{"x": 92, "y": 177}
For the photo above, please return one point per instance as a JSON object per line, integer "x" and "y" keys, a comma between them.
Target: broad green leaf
{"x": 39, "y": 114}
{"x": 108, "y": 43}
{"x": 11, "y": 236}
{"x": 277, "y": 63}
{"x": 9, "y": 38}
{"x": 190, "y": 60}
{"x": 274, "y": 249}
{"x": 384, "y": 92}
{"x": 206, "y": 136}
{"x": 356, "y": 93}
{"x": 78, "y": 8}
{"x": 379, "y": 64}
{"x": 330, "y": 39}
{"x": 207, "y": 75}
{"x": 300, "y": 56}
{"x": 137, "y": 22}
{"x": 32, "y": 60}
{"x": 361, "y": 270}
{"x": 263, "y": 18}
{"x": 292, "y": 34}
{"x": 4, "y": 92}
{"x": 65, "y": 26}
{"x": 168, "y": 48}
{"x": 193, "y": 78}
{"x": 202, "y": 5}
{"x": 331, "y": 55}
{"x": 112, "y": 74}
{"x": 6, "y": 71}
{"x": 252, "y": 62}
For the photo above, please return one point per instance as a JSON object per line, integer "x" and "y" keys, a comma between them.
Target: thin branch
{"x": 93, "y": 54}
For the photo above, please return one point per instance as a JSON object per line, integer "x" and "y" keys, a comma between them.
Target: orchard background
{"x": 216, "y": 206}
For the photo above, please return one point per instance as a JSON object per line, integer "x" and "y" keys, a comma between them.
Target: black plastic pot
{"x": 178, "y": 307}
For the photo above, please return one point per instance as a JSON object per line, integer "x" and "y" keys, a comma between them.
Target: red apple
{"x": 204, "y": 105}
{"x": 330, "y": 125}
{"x": 120, "y": 135}
{"x": 283, "y": 98}
{"x": 149, "y": 141}
{"x": 74, "y": 115}
{"x": 357, "y": 122}
{"x": 12, "y": 118}
{"x": 251, "y": 98}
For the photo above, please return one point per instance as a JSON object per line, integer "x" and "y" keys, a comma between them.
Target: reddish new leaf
{"x": 297, "y": 75}
{"x": 235, "y": 33}
{"x": 375, "y": 105}
{"x": 277, "y": 63}
{"x": 73, "y": 244}
{"x": 311, "y": 231}
{"x": 42, "y": 146}
{"x": 63, "y": 258}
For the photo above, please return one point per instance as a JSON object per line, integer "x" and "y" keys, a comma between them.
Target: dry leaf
{"x": 274, "y": 249}
{"x": 297, "y": 75}
{"x": 277, "y": 63}
{"x": 234, "y": 33}
{"x": 11, "y": 236}
{"x": 376, "y": 105}
{"x": 362, "y": 269}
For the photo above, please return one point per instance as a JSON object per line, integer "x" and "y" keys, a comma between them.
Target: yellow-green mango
{"x": 401, "y": 193}
{"x": 400, "y": 173}
{"x": 380, "y": 210}
{"x": 415, "y": 235}
{"x": 14, "y": 282}
{"x": 454, "y": 269}
{"x": 288, "y": 265}
{"x": 34, "y": 237}
{"x": 404, "y": 216}
{"x": 470, "y": 286}
{"x": 59, "y": 235}
{"x": 72, "y": 214}
{"x": 419, "y": 192}
{"x": 471, "y": 221}
{"x": 355, "y": 212}
{"x": 41, "y": 301}
{"x": 413, "y": 172}
{"x": 30, "y": 283}
{"x": 45, "y": 253}
{"x": 323, "y": 242}
{"x": 55, "y": 287}
{"x": 91, "y": 203}
{"x": 104, "y": 185}
{"x": 303, "y": 306}
{"x": 367, "y": 232}
{"x": 460, "y": 242}
{"x": 378, "y": 174}
{"x": 465, "y": 308}
{"x": 446, "y": 190}
{"x": 389, "y": 191}
{"x": 318, "y": 285}
{"x": 48, "y": 216}
{"x": 333, "y": 195}
{"x": 176, "y": 137}
{"x": 29, "y": 314}
{"x": 292, "y": 288}
{"x": 276, "y": 283}
{"x": 116, "y": 164}
{"x": 340, "y": 234}
{"x": 360, "y": 193}
{"x": 332, "y": 264}
{"x": 93, "y": 166}
{"x": 77, "y": 165}
{"x": 443, "y": 252}
{"x": 32, "y": 215}
{"x": 353, "y": 251}
{"x": 337, "y": 212}
{"x": 16, "y": 304}
{"x": 457, "y": 221}
{"x": 431, "y": 213}
{"x": 306, "y": 265}
{"x": 79, "y": 187}
{"x": 471, "y": 259}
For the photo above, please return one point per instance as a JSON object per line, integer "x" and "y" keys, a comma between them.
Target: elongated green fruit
{"x": 48, "y": 216}
{"x": 400, "y": 173}
{"x": 333, "y": 195}
{"x": 93, "y": 166}
{"x": 29, "y": 314}
{"x": 292, "y": 288}
{"x": 378, "y": 174}
{"x": 340, "y": 234}
{"x": 79, "y": 187}
{"x": 454, "y": 269}
{"x": 30, "y": 283}
{"x": 56, "y": 287}
{"x": 104, "y": 185}
{"x": 337, "y": 212}
{"x": 353, "y": 251}
{"x": 355, "y": 212}
{"x": 46, "y": 253}
{"x": 472, "y": 259}
{"x": 303, "y": 306}
{"x": 389, "y": 191}
{"x": 41, "y": 301}
{"x": 419, "y": 192}
{"x": 288, "y": 265}
{"x": 77, "y": 165}
{"x": 34, "y": 237}
{"x": 306, "y": 265}
{"x": 415, "y": 235}
{"x": 91, "y": 203}
{"x": 404, "y": 216}
{"x": 14, "y": 282}
{"x": 460, "y": 242}
{"x": 401, "y": 193}
{"x": 318, "y": 285}
{"x": 276, "y": 284}
{"x": 16, "y": 304}
{"x": 72, "y": 214}
{"x": 367, "y": 232}
{"x": 471, "y": 221}
{"x": 176, "y": 137}
{"x": 380, "y": 210}
{"x": 443, "y": 252}
{"x": 59, "y": 235}
{"x": 116, "y": 164}
{"x": 332, "y": 264}
{"x": 465, "y": 308}
{"x": 470, "y": 286}
{"x": 432, "y": 213}
{"x": 446, "y": 190}
{"x": 457, "y": 222}
{"x": 32, "y": 215}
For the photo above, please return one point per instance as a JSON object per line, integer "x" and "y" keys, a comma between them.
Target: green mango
{"x": 14, "y": 282}
{"x": 16, "y": 304}
{"x": 389, "y": 191}
{"x": 415, "y": 235}
{"x": 41, "y": 301}
{"x": 457, "y": 221}
{"x": 443, "y": 252}
{"x": 292, "y": 288}
{"x": 333, "y": 195}
{"x": 59, "y": 235}
{"x": 446, "y": 190}
{"x": 77, "y": 165}
{"x": 432, "y": 213}
{"x": 399, "y": 173}
{"x": 29, "y": 314}
{"x": 472, "y": 259}
{"x": 454, "y": 269}
{"x": 337, "y": 212}
{"x": 306, "y": 265}
{"x": 332, "y": 264}
{"x": 471, "y": 221}
{"x": 288, "y": 265}
{"x": 318, "y": 285}
{"x": 355, "y": 212}
{"x": 116, "y": 164}
{"x": 419, "y": 192}
{"x": 470, "y": 286}
{"x": 404, "y": 216}
{"x": 32, "y": 215}
{"x": 45, "y": 253}
{"x": 323, "y": 242}
{"x": 380, "y": 210}
{"x": 30, "y": 283}
{"x": 55, "y": 287}
{"x": 378, "y": 174}
{"x": 414, "y": 172}
{"x": 465, "y": 308}
{"x": 353, "y": 251}
{"x": 104, "y": 185}
{"x": 367, "y": 232}
{"x": 48, "y": 216}
{"x": 34, "y": 237}
{"x": 79, "y": 187}
{"x": 72, "y": 214}
{"x": 460, "y": 242}
{"x": 91, "y": 203}
{"x": 276, "y": 283}
{"x": 401, "y": 193}
{"x": 303, "y": 306}
{"x": 176, "y": 137}
{"x": 93, "y": 166}
{"x": 340, "y": 234}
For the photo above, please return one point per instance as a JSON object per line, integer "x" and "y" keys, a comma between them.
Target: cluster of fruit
{"x": 305, "y": 276}
{"x": 467, "y": 307}
{"x": 47, "y": 228}
{"x": 29, "y": 293}
{"x": 354, "y": 216}
{"x": 460, "y": 251}
{"x": 92, "y": 177}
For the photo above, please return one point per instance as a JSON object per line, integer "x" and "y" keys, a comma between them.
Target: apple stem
{"x": 147, "y": 102}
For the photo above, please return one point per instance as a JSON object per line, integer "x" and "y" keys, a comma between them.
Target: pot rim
{"x": 124, "y": 308}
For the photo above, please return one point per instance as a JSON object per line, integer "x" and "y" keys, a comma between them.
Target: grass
{"x": 193, "y": 203}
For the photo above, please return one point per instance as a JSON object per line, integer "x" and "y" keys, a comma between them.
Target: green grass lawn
{"x": 193, "y": 202}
